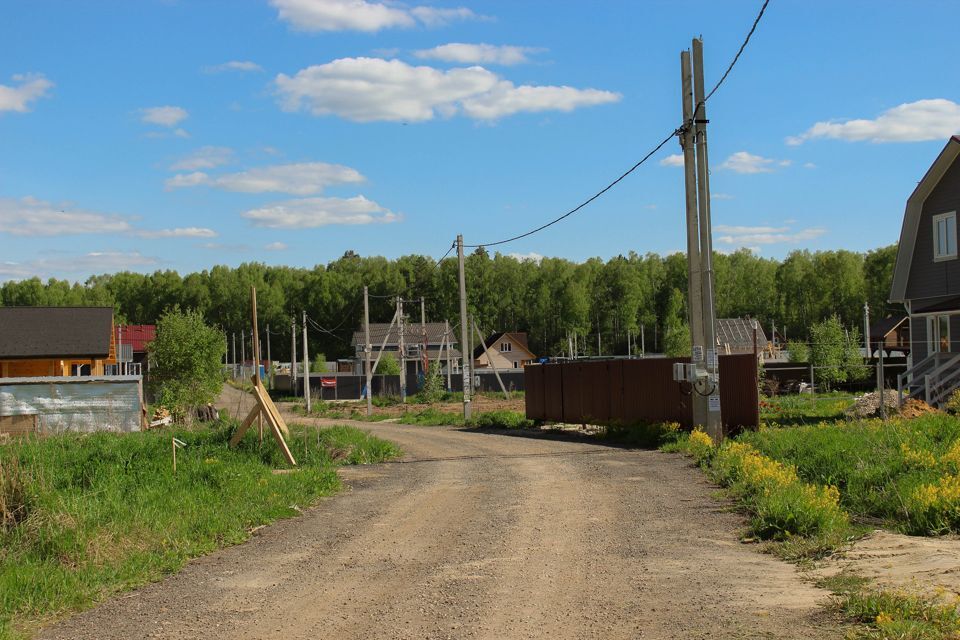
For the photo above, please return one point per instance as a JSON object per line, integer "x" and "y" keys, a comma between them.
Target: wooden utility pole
{"x": 464, "y": 329}
{"x": 694, "y": 284}
{"x": 293, "y": 356}
{"x": 306, "y": 365}
{"x": 269, "y": 359}
{"x": 425, "y": 356}
{"x": 446, "y": 333}
{"x": 366, "y": 350}
{"x": 256, "y": 336}
{"x": 402, "y": 352}
{"x": 709, "y": 325}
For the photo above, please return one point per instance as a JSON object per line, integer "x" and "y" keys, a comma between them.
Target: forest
{"x": 550, "y": 298}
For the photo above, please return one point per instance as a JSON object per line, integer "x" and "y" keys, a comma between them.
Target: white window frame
{"x": 933, "y": 333}
{"x": 951, "y": 239}
{"x": 505, "y": 346}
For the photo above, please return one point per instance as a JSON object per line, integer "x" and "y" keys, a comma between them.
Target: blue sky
{"x": 182, "y": 134}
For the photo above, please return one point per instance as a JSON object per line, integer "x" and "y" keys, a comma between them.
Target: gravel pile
{"x": 868, "y": 405}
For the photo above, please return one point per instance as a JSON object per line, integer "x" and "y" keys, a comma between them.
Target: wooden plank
{"x": 281, "y": 442}
{"x": 269, "y": 408}
{"x": 238, "y": 435}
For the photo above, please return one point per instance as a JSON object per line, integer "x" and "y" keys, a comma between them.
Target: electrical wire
{"x": 646, "y": 157}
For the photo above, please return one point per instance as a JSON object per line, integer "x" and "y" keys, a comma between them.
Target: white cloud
{"x": 28, "y": 87}
{"x": 83, "y": 265}
{"x": 744, "y": 162}
{"x": 309, "y": 213}
{"x": 32, "y": 217}
{"x": 478, "y": 53}
{"x": 233, "y": 65}
{"x": 204, "y": 158}
{"x": 361, "y": 15}
{"x": 673, "y": 160}
{"x": 935, "y": 119}
{"x": 370, "y": 89}
{"x": 179, "y": 232}
{"x": 721, "y": 196}
{"x": 164, "y": 116}
{"x": 527, "y": 257}
{"x": 305, "y": 178}
{"x": 760, "y": 235}
{"x": 276, "y": 246}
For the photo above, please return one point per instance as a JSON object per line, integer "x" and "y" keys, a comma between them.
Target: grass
{"x": 900, "y": 473}
{"x": 892, "y": 615}
{"x": 85, "y": 516}
{"x": 804, "y": 408}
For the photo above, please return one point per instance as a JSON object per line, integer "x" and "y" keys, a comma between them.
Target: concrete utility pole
{"x": 402, "y": 353}
{"x": 366, "y": 350}
{"x": 464, "y": 329}
{"x": 643, "y": 343}
{"x": 233, "y": 369}
{"x": 269, "y": 359}
{"x": 120, "y": 350}
{"x": 306, "y": 364}
{"x": 694, "y": 283}
{"x": 423, "y": 330}
{"x": 243, "y": 351}
{"x": 714, "y": 423}
{"x": 293, "y": 355}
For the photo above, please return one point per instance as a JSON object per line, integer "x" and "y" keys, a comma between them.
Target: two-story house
{"x": 507, "y": 350}
{"x": 926, "y": 279}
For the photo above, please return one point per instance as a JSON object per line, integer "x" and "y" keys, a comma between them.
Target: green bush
{"x": 388, "y": 365}
{"x": 501, "y": 420}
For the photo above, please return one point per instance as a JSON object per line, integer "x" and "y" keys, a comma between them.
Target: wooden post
{"x": 306, "y": 365}
{"x": 173, "y": 447}
{"x": 446, "y": 333}
{"x": 256, "y": 335}
{"x": 366, "y": 350}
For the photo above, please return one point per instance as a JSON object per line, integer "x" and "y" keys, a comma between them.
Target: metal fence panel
{"x": 86, "y": 404}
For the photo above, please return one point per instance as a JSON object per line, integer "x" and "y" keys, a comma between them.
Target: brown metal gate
{"x": 610, "y": 392}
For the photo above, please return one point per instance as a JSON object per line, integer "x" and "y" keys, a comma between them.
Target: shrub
{"x": 935, "y": 508}
{"x": 952, "y": 405}
{"x": 186, "y": 352}
{"x": 388, "y": 365}
{"x": 501, "y": 419}
{"x": 433, "y": 389}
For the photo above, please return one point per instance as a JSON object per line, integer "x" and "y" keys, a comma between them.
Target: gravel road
{"x": 480, "y": 535}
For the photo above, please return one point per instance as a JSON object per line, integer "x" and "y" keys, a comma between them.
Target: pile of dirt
{"x": 868, "y": 405}
{"x": 913, "y": 408}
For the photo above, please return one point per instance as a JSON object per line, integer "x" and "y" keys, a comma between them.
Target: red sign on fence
{"x": 328, "y": 382}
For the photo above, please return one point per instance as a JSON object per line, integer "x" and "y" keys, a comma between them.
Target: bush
{"x": 501, "y": 420}
{"x": 186, "y": 353}
{"x": 952, "y": 405}
{"x": 388, "y": 365}
{"x": 433, "y": 389}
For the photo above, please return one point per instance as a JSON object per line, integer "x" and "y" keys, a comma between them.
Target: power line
{"x": 646, "y": 157}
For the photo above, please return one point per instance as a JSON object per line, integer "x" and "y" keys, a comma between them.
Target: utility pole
{"x": 464, "y": 329}
{"x": 255, "y": 347}
{"x": 714, "y": 423}
{"x": 570, "y": 345}
{"x": 233, "y": 369}
{"x": 694, "y": 283}
{"x": 243, "y": 351}
{"x": 269, "y": 359}
{"x": 403, "y": 352}
{"x": 120, "y": 350}
{"x": 628, "y": 343}
{"x": 306, "y": 365}
{"x": 366, "y": 350}
{"x": 643, "y": 342}
{"x": 425, "y": 356}
{"x": 293, "y": 355}
{"x": 446, "y": 333}
{"x": 866, "y": 330}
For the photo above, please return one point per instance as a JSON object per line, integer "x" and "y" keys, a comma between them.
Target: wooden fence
{"x": 608, "y": 392}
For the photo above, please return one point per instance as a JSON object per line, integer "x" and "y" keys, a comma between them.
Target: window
{"x": 945, "y": 236}
{"x": 516, "y": 365}
{"x": 505, "y": 346}
{"x": 938, "y": 334}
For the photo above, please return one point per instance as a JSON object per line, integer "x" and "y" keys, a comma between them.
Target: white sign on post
{"x": 712, "y": 358}
{"x": 713, "y": 403}
{"x": 697, "y": 354}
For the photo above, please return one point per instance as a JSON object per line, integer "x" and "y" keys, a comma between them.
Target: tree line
{"x": 550, "y": 299}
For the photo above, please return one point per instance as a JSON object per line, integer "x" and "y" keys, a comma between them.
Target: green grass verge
{"x": 891, "y": 615}
{"x": 900, "y": 473}
{"x": 799, "y": 409}
{"x": 85, "y": 516}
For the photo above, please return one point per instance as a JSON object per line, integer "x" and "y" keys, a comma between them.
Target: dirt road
{"x": 478, "y": 535}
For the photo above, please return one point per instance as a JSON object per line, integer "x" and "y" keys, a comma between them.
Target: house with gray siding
{"x": 926, "y": 279}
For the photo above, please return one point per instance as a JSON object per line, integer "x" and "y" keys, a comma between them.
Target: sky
{"x": 182, "y": 134}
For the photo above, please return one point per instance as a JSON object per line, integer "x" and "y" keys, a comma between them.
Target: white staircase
{"x": 932, "y": 379}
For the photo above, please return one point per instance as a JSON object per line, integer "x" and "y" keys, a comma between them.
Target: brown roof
{"x": 55, "y": 332}
{"x": 517, "y": 337}
{"x": 737, "y": 333}
{"x": 411, "y": 334}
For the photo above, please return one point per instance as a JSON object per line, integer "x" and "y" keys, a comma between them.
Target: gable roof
{"x": 411, "y": 334}
{"x": 911, "y": 217}
{"x": 137, "y": 335}
{"x": 738, "y": 334}
{"x": 55, "y": 332}
{"x": 517, "y": 337}
{"x": 883, "y": 327}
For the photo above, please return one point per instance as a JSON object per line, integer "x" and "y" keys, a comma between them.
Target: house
{"x": 56, "y": 341}
{"x": 507, "y": 350}
{"x": 890, "y": 334}
{"x": 433, "y": 340}
{"x": 132, "y": 341}
{"x": 741, "y": 335}
{"x": 926, "y": 279}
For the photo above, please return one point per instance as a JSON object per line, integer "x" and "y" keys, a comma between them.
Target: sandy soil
{"x": 479, "y": 535}
{"x": 929, "y": 566}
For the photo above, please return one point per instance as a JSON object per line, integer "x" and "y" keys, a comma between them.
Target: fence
{"x": 349, "y": 386}
{"x": 784, "y": 377}
{"x": 635, "y": 391}
{"x": 58, "y": 404}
